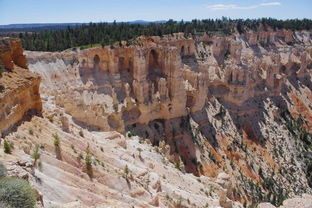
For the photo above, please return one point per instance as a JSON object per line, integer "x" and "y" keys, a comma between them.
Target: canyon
{"x": 171, "y": 121}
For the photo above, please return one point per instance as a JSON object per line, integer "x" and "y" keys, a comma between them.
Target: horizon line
{"x": 151, "y": 21}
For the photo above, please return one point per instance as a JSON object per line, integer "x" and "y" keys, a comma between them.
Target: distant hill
{"x": 36, "y": 25}
{"x": 142, "y": 22}
{"x": 39, "y": 27}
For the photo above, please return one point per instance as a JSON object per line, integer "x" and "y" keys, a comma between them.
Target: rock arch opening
{"x": 182, "y": 51}
{"x": 295, "y": 67}
{"x": 283, "y": 69}
{"x": 125, "y": 68}
{"x": 130, "y": 67}
{"x": 155, "y": 71}
{"x": 96, "y": 62}
{"x": 130, "y": 70}
{"x": 190, "y": 101}
{"x": 84, "y": 62}
{"x": 230, "y": 78}
{"x": 153, "y": 63}
{"x": 121, "y": 64}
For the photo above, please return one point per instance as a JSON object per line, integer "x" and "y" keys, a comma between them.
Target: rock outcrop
{"x": 11, "y": 53}
{"x": 170, "y": 77}
{"x": 303, "y": 202}
{"x": 19, "y": 87}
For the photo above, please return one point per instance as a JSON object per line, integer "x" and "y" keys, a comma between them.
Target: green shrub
{"x": 16, "y": 193}
{"x": 81, "y": 133}
{"x": 36, "y": 154}
{"x": 30, "y": 131}
{"x": 57, "y": 140}
{"x": 2, "y": 69}
{"x": 126, "y": 171}
{"x": 7, "y": 147}
{"x": 177, "y": 165}
{"x": 50, "y": 118}
{"x": 4, "y": 205}
{"x": 139, "y": 150}
{"x": 3, "y": 170}
{"x": 309, "y": 173}
{"x": 88, "y": 161}
{"x": 227, "y": 54}
{"x": 212, "y": 157}
{"x": 2, "y": 88}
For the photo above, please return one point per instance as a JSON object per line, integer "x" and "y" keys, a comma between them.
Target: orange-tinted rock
{"x": 20, "y": 97}
{"x": 19, "y": 94}
{"x": 11, "y": 53}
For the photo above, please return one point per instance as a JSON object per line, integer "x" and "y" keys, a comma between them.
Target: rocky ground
{"x": 125, "y": 171}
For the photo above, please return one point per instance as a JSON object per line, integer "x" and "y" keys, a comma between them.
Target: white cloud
{"x": 271, "y": 4}
{"x": 234, "y": 6}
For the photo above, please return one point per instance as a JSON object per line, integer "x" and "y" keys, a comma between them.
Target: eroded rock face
{"x": 11, "y": 53}
{"x": 19, "y": 93}
{"x": 304, "y": 201}
{"x": 120, "y": 87}
{"x": 169, "y": 77}
{"x": 220, "y": 103}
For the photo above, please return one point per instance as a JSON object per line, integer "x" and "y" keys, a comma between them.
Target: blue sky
{"x": 58, "y": 11}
